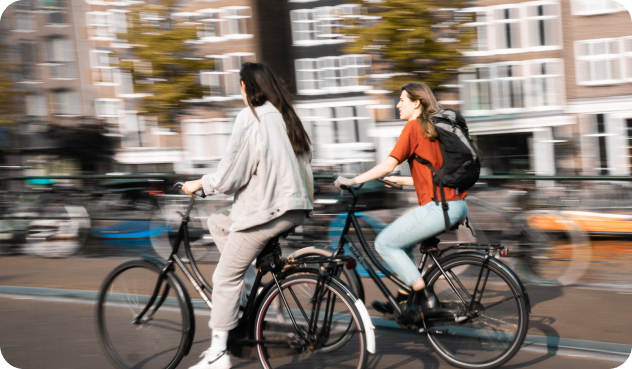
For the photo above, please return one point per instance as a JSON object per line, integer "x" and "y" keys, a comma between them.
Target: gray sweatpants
{"x": 238, "y": 251}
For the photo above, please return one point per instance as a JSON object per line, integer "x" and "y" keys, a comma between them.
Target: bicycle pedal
{"x": 459, "y": 319}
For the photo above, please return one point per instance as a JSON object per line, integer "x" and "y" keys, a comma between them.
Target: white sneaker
{"x": 220, "y": 360}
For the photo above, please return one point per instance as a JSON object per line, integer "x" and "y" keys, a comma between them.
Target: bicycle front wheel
{"x": 163, "y": 336}
{"x": 335, "y": 338}
{"x": 497, "y": 329}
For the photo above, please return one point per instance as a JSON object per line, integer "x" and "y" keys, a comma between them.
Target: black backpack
{"x": 461, "y": 158}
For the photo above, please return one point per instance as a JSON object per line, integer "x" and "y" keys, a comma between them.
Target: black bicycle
{"x": 308, "y": 317}
{"x": 489, "y": 304}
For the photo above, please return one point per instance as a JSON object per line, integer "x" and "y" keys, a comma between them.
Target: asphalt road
{"x": 48, "y": 334}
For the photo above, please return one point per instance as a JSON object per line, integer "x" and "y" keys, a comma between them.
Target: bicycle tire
{"x": 335, "y": 352}
{"x": 471, "y": 344}
{"x": 557, "y": 256}
{"x": 348, "y": 276}
{"x": 157, "y": 343}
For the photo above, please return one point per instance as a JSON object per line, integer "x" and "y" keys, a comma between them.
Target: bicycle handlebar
{"x": 388, "y": 183}
{"x": 200, "y": 192}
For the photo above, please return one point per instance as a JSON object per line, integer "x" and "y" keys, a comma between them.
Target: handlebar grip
{"x": 394, "y": 185}
{"x": 344, "y": 187}
{"x": 200, "y": 192}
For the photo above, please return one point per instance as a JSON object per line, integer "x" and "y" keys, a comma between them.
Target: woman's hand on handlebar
{"x": 190, "y": 187}
{"x": 342, "y": 181}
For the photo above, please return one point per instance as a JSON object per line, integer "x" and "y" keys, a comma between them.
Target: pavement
{"x": 578, "y": 322}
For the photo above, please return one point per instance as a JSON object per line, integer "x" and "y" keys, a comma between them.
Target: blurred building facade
{"x": 548, "y": 89}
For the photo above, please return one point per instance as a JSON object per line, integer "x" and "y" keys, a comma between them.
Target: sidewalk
{"x": 570, "y": 320}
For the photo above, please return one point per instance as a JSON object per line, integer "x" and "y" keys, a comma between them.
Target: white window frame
{"x": 612, "y": 7}
{"x": 62, "y": 64}
{"x": 70, "y": 98}
{"x": 332, "y": 74}
{"x": 323, "y": 25}
{"x": 102, "y": 73}
{"x": 464, "y": 85}
{"x": 594, "y": 59}
{"x": 557, "y": 85}
{"x": 487, "y": 24}
{"x": 108, "y": 108}
{"x": 626, "y": 57}
{"x": 497, "y": 97}
{"x": 101, "y": 26}
{"x": 24, "y": 22}
{"x": 498, "y": 26}
{"x": 556, "y": 28}
{"x": 236, "y": 17}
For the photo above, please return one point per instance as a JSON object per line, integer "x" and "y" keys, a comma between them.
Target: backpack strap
{"x": 437, "y": 180}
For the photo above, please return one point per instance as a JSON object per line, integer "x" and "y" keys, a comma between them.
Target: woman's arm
{"x": 378, "y": 171}
{"x": 404, "y": 181}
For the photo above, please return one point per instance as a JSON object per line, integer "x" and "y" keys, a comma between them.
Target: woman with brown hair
{"x": 417, "y": 105}
{"x": 267, "y": 168}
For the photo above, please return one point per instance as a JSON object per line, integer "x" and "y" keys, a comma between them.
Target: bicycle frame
{"x": 345, "y": 239}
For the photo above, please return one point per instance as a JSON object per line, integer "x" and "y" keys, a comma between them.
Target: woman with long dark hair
{"x": 267, "y": 168}
{"x": 417, "y": 105}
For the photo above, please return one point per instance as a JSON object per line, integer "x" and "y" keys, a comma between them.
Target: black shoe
{"x": 425, "y": 305}
{"x": 428, "y": 305}
{"x": 386, "y": 307}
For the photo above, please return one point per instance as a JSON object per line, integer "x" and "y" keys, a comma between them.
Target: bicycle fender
{"x": 369, "y": 328}
{"x": 498, "y": 264}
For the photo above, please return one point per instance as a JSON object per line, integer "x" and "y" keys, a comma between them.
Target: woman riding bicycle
{"x": 267, "y": 168}
{"x": 417, "y": 105}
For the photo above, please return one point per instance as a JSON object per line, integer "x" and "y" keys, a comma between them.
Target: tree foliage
{"x": 163, "y": 61}
{"x": 412, "y": 40}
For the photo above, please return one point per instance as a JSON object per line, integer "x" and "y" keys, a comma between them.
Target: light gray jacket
{"x": 261, "y": 170}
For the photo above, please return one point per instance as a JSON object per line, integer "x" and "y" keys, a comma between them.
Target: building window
{"x": 107, "y": 108}
{"x": 332, "y": 74}
{"x": 223, "y": 81}
{"x": 101, "y": 25}
{"x": 543, "y": 24}
{"x": 102, "y": 72}
{"x": 24, "y": 22}
{"x": 588, "y": 7}
{"x": 60, "y": 57}
{"x": 544, "y": 82}
{"x": 65, "y": 102}
{"x": 322, "y": 25}
{"x": 509, "y": 87}
{"x": 212, "y": 24}
{"x": 27, "y": 61}
{"x": 598, "y": 61}
{"x": 477, "y": 91}
{"x": 56, "y": 10}
{"x": 35, "y": 105}
{"x": 481, "y": 27}
{"x": 507, "y": 26}
{"x": 627, "y": 56}
{"x": 236, "y": 19}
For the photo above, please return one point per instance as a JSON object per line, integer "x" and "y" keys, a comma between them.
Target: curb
{"x": 608, "y": 351}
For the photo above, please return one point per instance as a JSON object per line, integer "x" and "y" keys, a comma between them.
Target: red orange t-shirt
{"x": 411, "y": 141}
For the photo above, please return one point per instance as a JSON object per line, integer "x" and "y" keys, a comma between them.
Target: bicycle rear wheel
{"x": 158, "y": 342}
{"x": 339, "y": 331}
{"x": 494, "y": 335}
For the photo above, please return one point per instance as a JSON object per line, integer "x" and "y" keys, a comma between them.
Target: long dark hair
{"x": 429, "y": 106}
{"x": 261, "y": 86}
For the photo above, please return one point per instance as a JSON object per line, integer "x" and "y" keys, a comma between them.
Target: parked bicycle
{"x": 302, "y": 317}
{"x": 489, "y": 304}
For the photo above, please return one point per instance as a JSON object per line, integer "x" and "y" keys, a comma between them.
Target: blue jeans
{"x": 396, "y": 241}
